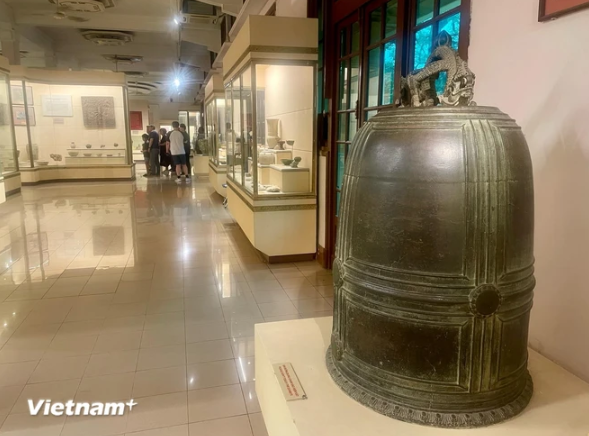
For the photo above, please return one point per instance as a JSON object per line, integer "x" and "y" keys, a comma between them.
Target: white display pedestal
{"x": 290, "y": 179}
{"x": 95, "y": 160}
{"x": 138, "y": 156}
{"x": 2, "y": 191}
{"x": 200, "y": 165}
{"x": 218, "y": 177}
{"x": 267, "y": 219}
{"x": 278, "y": 154}
{"x": 559, "y": 406}
{"x": 264, "y": 174}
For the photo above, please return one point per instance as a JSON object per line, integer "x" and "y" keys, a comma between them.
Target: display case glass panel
{"x": 193, "y": 125}
{"x": 210, "y": 129}
{"x": 247, "y": 130}
{"x": 20, "y": 120}
{"x": 183, "y": 117}
{"x": 215, "y": 131}
{"x": 220, "y": 153}
{"x": 7, "y": 144}
{"x": 73, "y": 125}
{"x": 227, "y": 132}
{"x": 236, "y": 162}
{"x": 273, "y": 150}
{"x": 285, "y": 129}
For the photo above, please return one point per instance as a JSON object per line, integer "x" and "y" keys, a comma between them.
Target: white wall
{"x": 53, "y": 135}
{"x": 537, "y": 73}
{"x": 143, "y": 107}
{"x": 291, "y": 8}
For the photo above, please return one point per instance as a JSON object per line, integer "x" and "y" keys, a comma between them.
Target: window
{"x": 429, "y": 22}
{"x": 374, "y": 43}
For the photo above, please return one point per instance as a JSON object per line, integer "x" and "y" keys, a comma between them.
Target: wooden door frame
{"x": 332, "y": 83}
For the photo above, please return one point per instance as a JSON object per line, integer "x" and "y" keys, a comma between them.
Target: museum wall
{"x": 143, "y": 107}
{"x": 169, "y": 111}
{"x": 536, "y": 72}
{"x": 53, "y": 134}
{"x": 291, "y": 8}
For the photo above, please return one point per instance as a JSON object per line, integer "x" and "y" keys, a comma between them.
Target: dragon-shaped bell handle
{"x": 418, "y": 89}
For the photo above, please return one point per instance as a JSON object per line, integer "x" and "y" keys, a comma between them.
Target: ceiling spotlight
{"x": 177, "y": 83}
{"x": 176, "y": 20}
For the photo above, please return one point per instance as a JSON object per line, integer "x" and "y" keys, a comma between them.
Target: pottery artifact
{"x": 295, "y": 162}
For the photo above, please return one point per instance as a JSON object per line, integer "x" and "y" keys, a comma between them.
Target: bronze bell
{"x": 434, "y": 260}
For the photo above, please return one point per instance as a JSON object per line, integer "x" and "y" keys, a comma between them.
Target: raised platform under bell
{"x": 558, "y": 407}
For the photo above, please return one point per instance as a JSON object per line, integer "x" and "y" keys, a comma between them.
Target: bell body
{"x": 434, "y": 267}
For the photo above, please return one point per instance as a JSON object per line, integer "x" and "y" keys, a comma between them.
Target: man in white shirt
{"x": 175, "y": 146}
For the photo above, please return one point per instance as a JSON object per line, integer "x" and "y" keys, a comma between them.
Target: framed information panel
{"x": 57, "y": 105}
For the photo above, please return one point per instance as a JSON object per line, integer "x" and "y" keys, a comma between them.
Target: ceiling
{"x": 165, "y": 49}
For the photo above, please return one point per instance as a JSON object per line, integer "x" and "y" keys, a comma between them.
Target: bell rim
{"x": 391, "y": 409}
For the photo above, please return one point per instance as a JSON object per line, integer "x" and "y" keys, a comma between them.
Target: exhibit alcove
{"x": 72, "y": 120}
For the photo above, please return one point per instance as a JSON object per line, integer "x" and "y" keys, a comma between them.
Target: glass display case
{"x": 271, "y": 108}
{"x": 8, "y": 152}
{"x": 192, "y": 120}
{"x": 69, "y": 125}
{"x": 215, "y": 130}
{"x": 269, "y": 79}
{"x": 227, "y": 128}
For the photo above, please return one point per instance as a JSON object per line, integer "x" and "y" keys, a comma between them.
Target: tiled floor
{"x": 140, "y": 290}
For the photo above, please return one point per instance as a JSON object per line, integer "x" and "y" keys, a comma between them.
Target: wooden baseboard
{"x": 43, "y": 182}
{"x": 321, "y": 259}
{"x": 289, "y": 258}
{"x": 13, "y": 192}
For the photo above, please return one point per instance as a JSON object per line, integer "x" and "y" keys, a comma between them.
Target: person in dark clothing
{"x": 154, "y": 151}
{"x": 165, "y": 160}
{"x": 186, "y": 146}
{"x": 146, "y": 155}
{"x": 197, "y": 142}
{"x": 201, "y": 133}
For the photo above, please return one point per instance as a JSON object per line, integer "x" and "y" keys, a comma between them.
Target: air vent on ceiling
{"x": 107, "y": 37}
{"x": 146, "y": 85}
{"x": 23, "y": 53}
{"x": 193, "y": 9}
{"x": 138, "y": 90}
{"x": 123, "y": 59}
{"x": 84, "y": 5}
{"x": 143, "y": 88}
{"x": 136, "y": 74}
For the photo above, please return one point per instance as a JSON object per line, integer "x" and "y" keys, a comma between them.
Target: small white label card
{"x": 289, "y": 382}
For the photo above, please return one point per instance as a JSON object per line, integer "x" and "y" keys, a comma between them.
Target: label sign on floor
{"x": 289, "y": 382}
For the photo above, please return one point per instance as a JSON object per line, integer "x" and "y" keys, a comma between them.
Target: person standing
{"x": 175, "y": 146}
{"x": 146, "y": 154}
{"x": 154, "y": 150}
{"x": 186, "y": 147}
{"x": 165, "y": 159}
